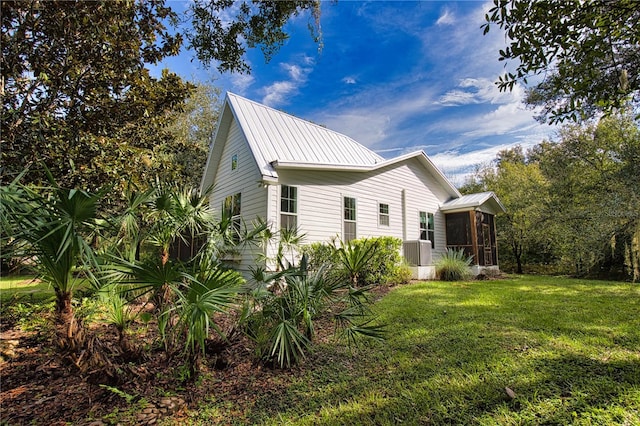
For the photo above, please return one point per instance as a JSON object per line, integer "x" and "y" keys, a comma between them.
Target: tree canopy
{"x": 252, "y": 24}
{"x": 193, "y": 128}
{"x": 582, "y": 57}
{"x": 573, "y": 204}
{"x": 78, "y": 97}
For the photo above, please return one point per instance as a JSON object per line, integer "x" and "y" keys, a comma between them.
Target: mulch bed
{"x": 39, "y": 387}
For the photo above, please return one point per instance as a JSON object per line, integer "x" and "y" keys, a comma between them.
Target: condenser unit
{"x": 417, "y": 252}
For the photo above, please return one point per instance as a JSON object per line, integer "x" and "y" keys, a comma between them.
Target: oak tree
{"x": 77, "y": 94}
{"x": 580, "y": 57}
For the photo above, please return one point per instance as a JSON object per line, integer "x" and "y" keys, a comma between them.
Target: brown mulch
{"x": 40, "y": 387}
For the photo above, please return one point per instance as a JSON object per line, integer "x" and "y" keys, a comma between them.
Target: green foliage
{"x": 122, "y": 394}
{"x": 54, "y": 227}
{"x": 186, "y": 294}
{"x": 77, "y": 96}
{"x": 572, "y": 204}
{"x": 193, "y": 128}
{"x": 118, "y": 309}
{"x": 401, "y": 274}
{"x": 252, "y": 24}
{"x": 453, "y": 266}
{"x": 280, "y": 317}
{"x": 212, "y": 290}
{"x": 372, "y": 261}
{"x": 586, "y": 52}
{"x": 30, "y": 316}
{"x": 355, "y": 257}
{"x": 386, "y": 265}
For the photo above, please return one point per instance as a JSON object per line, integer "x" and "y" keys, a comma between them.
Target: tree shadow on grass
{"x": 448, "y": 360}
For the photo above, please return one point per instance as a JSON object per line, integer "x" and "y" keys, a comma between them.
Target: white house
{"x": 268, "y": 164}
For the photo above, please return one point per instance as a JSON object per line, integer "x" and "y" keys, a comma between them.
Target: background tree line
{"x": 573, "y": 204}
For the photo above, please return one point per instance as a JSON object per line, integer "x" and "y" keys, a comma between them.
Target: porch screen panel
{"x": 458, "y": 231}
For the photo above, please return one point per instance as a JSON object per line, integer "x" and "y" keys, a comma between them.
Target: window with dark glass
{"x": 383, "y": 214}
{"x": 288, "y": 207}
{"x": 234, "y": 161}
{"x": 349, "y": 219}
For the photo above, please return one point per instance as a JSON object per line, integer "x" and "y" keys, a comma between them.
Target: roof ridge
{"x": 306, "y": 122}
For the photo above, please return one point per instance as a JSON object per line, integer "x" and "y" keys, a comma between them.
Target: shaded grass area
{"x": 569, "y": 349}
{"x": 24, "y": 288}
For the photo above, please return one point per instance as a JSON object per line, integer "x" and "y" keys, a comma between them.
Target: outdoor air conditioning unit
{"x": 418, "y": 252}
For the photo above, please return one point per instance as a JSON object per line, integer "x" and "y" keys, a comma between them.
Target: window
{"x": 383, "y": 214}
{"x": 349, "y": 216}
{"x": 427, "y": 228}
{"x": 231, "y": 211}
{"x": 288, "y": 207}
{"x": 234, "y": 161}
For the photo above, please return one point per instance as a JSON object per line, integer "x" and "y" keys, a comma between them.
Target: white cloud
{"x": 374, "y": 114}
{"x": 277, "y": 93}
{"x": 349, "y": 80}
{"x": 241, "y": 82}
{"x": 479, "y": 90}
{"x": 457, "y": 97}
{"x": 505, "y": 119}
{"x": 458, "y": 167}
{"x": 446, "y": 18}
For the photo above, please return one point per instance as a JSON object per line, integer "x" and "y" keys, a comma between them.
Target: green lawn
{"x": 569, "y": 349}
{"x": 24, "y": 287}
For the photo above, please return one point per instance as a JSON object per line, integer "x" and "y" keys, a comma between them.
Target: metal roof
{"x": 280, "y": 141}
{"x": 275, "y": 136}
{"x": 466, "y": 202}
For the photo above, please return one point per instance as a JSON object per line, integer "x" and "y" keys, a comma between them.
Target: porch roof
{"x": 487, "y": 202}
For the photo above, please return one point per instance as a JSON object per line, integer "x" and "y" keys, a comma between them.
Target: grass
{"x": 24, "y": 287}
{"x": 569, "y": 349}
{"x": 28, "y": 289}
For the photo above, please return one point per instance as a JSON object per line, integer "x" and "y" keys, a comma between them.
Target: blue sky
{"x": 396, "y": 77}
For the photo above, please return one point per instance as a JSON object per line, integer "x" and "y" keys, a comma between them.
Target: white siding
{"x": 320, "y": 195}
{"x": 246, "y": 179}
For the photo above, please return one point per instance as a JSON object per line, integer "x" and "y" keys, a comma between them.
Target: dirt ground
{"x": 40, "y": 387}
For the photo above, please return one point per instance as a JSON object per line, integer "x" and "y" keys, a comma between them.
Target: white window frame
{"x": 345, "y": 221}
{"x": 382, "y": 215}
{"x": 291, "y": 215}
{"x": 428, "y": 231}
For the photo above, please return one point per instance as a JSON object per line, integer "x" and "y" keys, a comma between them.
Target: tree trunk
{"x": 68, "y": 329}
{"x": 517, "y": 253}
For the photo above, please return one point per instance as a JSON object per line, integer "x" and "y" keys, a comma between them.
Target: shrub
{"x": 280, "y": 319}
{"x": 401, "y": 274}
{"x": 453, "y": 266}
{"x": 383, "y": 266}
